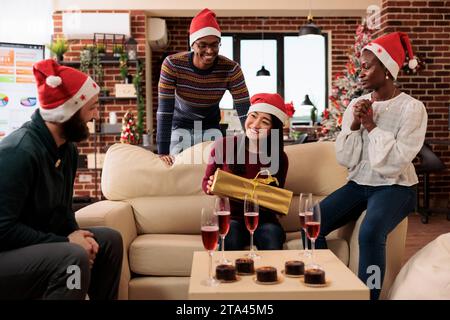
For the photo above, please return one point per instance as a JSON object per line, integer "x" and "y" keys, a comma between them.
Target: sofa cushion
{"x": 426, "y": 276}
{"x": 170, "y": 214}
{"x": 145, "y": 172}
{"x": 159, "y": 288}
{"x": 131, "y": 171}
{"x": 313, "y": 168}
{"x": 164, "y": 254}
{"x": 154, "y": 215}
{"x": 171, "y": 254}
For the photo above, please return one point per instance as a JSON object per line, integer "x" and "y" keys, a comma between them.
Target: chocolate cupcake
{"x": 294, "y": 268}
{"x": 245, "y": 266}
{"x": 314, "y": 276}
{"x": 266, "y": 274}
{"x": 225, "y": 272}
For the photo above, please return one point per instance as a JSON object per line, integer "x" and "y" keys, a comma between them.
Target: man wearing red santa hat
{"x": 191, "y": 86}
{"x": 382, "y": 132}
{"x": 43, "y": 252}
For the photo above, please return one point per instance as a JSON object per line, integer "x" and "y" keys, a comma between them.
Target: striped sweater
{"x": 187, "y": 94}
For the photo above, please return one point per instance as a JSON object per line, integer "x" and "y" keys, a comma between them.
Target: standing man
{"x": 43, "y": 252}
{"x": 191, "y": 86}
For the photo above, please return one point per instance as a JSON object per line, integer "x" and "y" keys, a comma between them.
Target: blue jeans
{"x": 386, "y": 207}
{"x": 268, "y": 236}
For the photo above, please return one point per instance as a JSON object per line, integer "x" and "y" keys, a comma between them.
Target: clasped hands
{"x": 363, "y": 115}
{"x": 85, "y": 239}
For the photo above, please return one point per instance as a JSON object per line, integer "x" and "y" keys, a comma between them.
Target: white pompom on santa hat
{"x": 202, "y": 25}
{"x": 271, "y": 103}
{"x": 62, "y": 90}
{"x": 390, "y": 50}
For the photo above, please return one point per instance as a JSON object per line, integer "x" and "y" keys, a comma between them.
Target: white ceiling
{"x": 188, "y": 8}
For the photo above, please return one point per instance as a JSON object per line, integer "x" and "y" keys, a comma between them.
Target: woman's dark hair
{"x": 242, "y": 146}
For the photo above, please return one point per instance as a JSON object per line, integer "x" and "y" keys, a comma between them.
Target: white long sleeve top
{"x": 384, "y": 156}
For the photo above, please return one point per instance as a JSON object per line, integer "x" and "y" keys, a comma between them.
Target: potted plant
{"x": 117, "y": 50}
{"x": 87, "y": 50}
{"x": 58, "y": 47}
{"x": 104, "y": 92}
{"x": 101, "y": 50}
{"x": 86, "y": 57}
{"x": 123, "y": 66}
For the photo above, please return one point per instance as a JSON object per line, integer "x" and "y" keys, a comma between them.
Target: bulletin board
{"x": 18, "y": 92}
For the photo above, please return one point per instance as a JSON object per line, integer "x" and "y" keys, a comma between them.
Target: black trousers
{"x": 60, "y": 271}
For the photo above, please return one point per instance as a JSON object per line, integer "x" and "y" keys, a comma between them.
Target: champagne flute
{"x": 313, "y": 229}
{"x": 210, "y": 237}
{"x": 304, "y": 204}
{"x": 251, "y": 217}
{"x": 222, "y": 211}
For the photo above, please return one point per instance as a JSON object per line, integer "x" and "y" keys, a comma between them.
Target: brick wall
{"x": 112, "y": 76}
{"x": 428, "y": 25}
{"x": 342, "y": 37}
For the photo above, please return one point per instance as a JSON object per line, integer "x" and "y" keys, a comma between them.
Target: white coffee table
{"x": 343, "y": 284}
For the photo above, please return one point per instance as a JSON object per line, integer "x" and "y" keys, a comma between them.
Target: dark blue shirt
{"x": 36, "y": 187}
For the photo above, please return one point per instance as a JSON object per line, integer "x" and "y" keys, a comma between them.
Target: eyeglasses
{"x": 212, "y": 46}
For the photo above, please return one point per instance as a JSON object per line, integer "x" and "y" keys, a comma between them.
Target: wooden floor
{"x": 419, "y": 235}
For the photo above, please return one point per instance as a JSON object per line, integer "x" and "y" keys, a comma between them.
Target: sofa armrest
{"x": 395, "y": 251}
{"x": 395, "y": 248}
{"x": 117, "y": 215}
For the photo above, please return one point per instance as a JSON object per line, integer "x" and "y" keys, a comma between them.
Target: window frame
{"x": 279, "y": 37}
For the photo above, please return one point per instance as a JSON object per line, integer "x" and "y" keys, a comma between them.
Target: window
{"x": 254, "y": 54}
{"x": 226, "y": 49}
{"x": 305, "y": 73}
{"x": 297, "y": 65}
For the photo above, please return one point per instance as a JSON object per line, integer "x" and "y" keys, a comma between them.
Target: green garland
{"x": 140, "y": 102}
{"x": 123, "y": 65}
{"x": 98, "y": 68}
{"x": 89, "y": 58}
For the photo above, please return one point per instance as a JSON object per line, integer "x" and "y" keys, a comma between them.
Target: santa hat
{"x": 390, "y": 50}
{"x": 202, "y": 25}
{"x": 62, "y": 90}
{"x": 271, "y": 103}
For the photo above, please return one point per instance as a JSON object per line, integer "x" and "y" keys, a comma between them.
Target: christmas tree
{"x": 345, "y": 86}
{"x": 129, "y": 132}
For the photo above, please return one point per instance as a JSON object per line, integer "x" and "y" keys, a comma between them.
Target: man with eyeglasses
{"x": 191, "y": 86}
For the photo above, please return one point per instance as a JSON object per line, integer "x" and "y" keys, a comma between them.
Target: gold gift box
{"x": 233, "y": 186}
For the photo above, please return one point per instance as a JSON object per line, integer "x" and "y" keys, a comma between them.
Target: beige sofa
{"x": 426, "y": 275}
{"x": 157, "y": 210}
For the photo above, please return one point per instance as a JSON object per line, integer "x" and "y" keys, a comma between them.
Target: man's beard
{"x": 75, "y": 129}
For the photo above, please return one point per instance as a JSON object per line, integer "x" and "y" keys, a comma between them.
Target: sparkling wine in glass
{"x": 304, "y": 209}
{"x": 251, "y": 218}
{"x": 210, "y": 237}
{"x": 222, "y": 211}
{"x": 312, "y": 226}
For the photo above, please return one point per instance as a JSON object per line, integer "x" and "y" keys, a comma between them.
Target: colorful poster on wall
{"x": 18, "y": 92}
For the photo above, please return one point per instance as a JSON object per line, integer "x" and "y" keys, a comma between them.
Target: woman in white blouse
{"x": 382, "y": 132}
